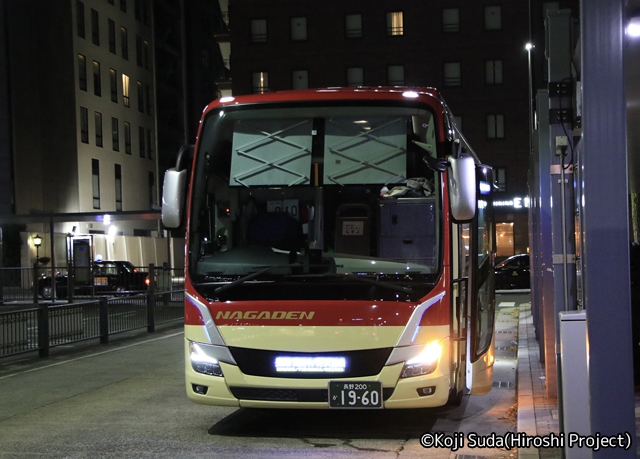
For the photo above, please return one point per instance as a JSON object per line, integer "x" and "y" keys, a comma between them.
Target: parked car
{"x": 106, "y": 278}
{"x": 513, "y": 273}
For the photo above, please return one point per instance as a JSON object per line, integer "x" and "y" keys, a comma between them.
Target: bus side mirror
{"x": 173, "y": 193}
{"x": 462, "y": 188}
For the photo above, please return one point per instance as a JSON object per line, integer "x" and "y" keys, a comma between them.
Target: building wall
{"x": 52, "y": 162}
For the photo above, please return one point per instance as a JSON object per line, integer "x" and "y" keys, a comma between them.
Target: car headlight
{"x": 202, "y": 362}
{"x": 424, "y": 363}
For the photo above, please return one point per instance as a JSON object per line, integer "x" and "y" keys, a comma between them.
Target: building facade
{"x": 474, "y": 52}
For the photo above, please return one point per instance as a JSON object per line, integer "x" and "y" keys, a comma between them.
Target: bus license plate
{"x": 355, "y": 394}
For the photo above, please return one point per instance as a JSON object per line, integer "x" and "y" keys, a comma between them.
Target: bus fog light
{"x": 424, "y": 363}
{"x": 201, "y": 362}
{"x": 199, "y": 389}
{"x": 423, "y": 391}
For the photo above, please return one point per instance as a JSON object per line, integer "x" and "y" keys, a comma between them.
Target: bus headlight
{"x": 424, "y": 363}
{"x": 202, "y": 362}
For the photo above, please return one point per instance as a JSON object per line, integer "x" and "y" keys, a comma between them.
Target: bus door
{"x": 481, "y": 296}
{"x": 460, "y": 286}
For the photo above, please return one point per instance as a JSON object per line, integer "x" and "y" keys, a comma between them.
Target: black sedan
{"x": 106, "y": 278}
{"x": 513, "y": 273}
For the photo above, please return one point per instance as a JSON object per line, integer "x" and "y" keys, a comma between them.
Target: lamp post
{"x": 37, "y": 242}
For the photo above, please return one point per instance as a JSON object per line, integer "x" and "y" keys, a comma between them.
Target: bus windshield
{"x": 326, "y": 201}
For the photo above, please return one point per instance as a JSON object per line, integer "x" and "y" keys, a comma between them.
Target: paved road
{"x": 127, "y": 400}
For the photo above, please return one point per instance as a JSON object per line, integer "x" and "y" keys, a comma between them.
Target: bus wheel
{"x": 455, "y": 397}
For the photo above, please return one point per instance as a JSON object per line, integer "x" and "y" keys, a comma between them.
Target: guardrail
{"x": 49, "y": 325}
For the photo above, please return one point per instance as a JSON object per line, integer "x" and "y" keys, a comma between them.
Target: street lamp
{"x": 37, "y": 241}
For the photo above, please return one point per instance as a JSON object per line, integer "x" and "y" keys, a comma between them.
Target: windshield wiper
{"x": 244, "y": 279}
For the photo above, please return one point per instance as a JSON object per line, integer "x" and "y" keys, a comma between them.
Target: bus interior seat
{"x": 276, "y": 229}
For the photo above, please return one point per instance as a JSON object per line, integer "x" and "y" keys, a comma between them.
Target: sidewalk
{"x": 537, "y": 414}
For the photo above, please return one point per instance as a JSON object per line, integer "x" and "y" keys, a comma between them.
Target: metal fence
{"x": 39, "y": 327}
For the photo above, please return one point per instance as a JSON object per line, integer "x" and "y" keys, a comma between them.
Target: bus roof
{"x": 425, "y": 94}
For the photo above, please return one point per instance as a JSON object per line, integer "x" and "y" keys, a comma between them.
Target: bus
{"x": 339, "y": 252}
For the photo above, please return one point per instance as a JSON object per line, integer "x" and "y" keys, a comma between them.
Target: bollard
{"x": 43, "y": 330}
{"x": 151, "y": 301}
{"x": 103, "y": 314}
{"x": 36, "y": 283}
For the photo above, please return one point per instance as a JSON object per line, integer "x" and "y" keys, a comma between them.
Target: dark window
{"x": 259, "y": 31}
{"x": 115, "y": 134}
{"x": 112, "y": 36}
{"x": 127, "y": 137}
{"x": 140, "y": 97}
{"x": 123, "y": 5}
{"x": 299, "y": 28}
{"x": 493, "y": 17}
{"x": 139, "y": 50}
{"x": 493, "y": 73}
{"x": 141, "y": 141}
{"x": 495, "y": 126}
{"x": 113, "y": 82}
{"x": 152, "y": 190}
{"x": 95, "y": 182}
{"x": 146, "y": 54}
{"x": 147, "y": 97}
{"x": 353, "y": 26}
{"x": 84, "y": 125}
{"x": 124, "y": 43}
{"x": 149, "y": 144}
{"x": 95, "y": 27}
{"x": 82, "y": 72}
{"x": 118, "y": 184}
{"x": 452, "y": 75}
{"x": 501, "y": 178}
{"x": 97, "y": 83}
{"x": 98, "y": 119}
{"x": 451, "y": 20}
{"x": 80, "y": 18}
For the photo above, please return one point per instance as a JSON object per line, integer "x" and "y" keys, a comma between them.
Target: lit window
{"x": 125, "y": 90}
{"x": 355, "y": 76}
{"x": 300, "y": 79}
{"x": 394, "y": 23}
{"x": 492, "y": 17}
{"x": 451, "y": 72}
{"x": 353, "y": 25}
{"x": 451, "y": 20}
{"x": 299, "y": 29}
{"x": 494, "y": 72}
{"x": 495, "y": 126}
{"x": 260, "y": 82}
{"x": 259, "y": 30}
{"x": 395, "y": 75}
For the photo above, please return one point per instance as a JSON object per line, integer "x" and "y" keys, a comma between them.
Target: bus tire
{"x": 455, "y": 397}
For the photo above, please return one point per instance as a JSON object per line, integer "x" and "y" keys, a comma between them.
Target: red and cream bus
{"x": 340, "y": 252}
